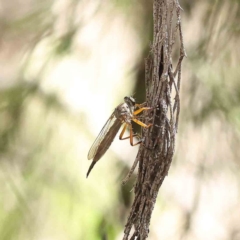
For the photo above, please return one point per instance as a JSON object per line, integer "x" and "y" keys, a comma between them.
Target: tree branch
{"x": 155, "y": 155}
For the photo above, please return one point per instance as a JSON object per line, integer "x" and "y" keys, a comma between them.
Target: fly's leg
{"x": 140, "y": 110}
{"x": 131, "y": 134}
{"x": 141, "y": 123}
{"x": 131, "y": 137}
{"x": 123, "y": 131}
{"x": 140, "y": 105}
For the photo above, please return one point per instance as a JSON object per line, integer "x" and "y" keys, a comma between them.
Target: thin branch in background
{"x": 155, "y": 155}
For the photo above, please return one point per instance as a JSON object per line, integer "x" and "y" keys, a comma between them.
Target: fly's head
{"x": 130, "y": 101}
{"x": 124, "y": 112}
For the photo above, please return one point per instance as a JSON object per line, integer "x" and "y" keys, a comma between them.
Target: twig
{"x": 155, "y": 155}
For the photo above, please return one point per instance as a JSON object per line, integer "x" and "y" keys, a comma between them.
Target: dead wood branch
{"x": 162, "y": 93}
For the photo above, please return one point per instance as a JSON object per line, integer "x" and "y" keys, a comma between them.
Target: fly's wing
{"x": 104, "y": 140}
{"x": 93, "y": 150}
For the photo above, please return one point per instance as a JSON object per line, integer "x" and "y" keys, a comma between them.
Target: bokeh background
{"x": 64, "y": 66}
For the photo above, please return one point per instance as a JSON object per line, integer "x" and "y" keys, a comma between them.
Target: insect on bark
{"x": 124, "y": 113}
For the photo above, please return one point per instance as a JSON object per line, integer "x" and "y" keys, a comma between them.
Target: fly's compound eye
{"x": 130, "y": 100}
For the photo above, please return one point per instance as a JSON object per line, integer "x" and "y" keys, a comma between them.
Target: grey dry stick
{"x": 162, "y": 90}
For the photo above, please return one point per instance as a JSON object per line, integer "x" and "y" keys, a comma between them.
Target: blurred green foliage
{"x": 42, "y": 194}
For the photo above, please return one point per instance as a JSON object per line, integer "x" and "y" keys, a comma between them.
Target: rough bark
{"x": 163, "y": 82}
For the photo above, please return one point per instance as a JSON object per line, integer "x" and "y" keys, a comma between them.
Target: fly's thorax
{"x": 124, "y": 113}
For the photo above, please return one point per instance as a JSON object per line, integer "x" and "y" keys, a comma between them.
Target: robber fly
{"x": 123, "y": 114}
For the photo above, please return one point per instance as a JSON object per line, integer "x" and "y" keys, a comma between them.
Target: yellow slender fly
{"x": 124, "y": 113}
